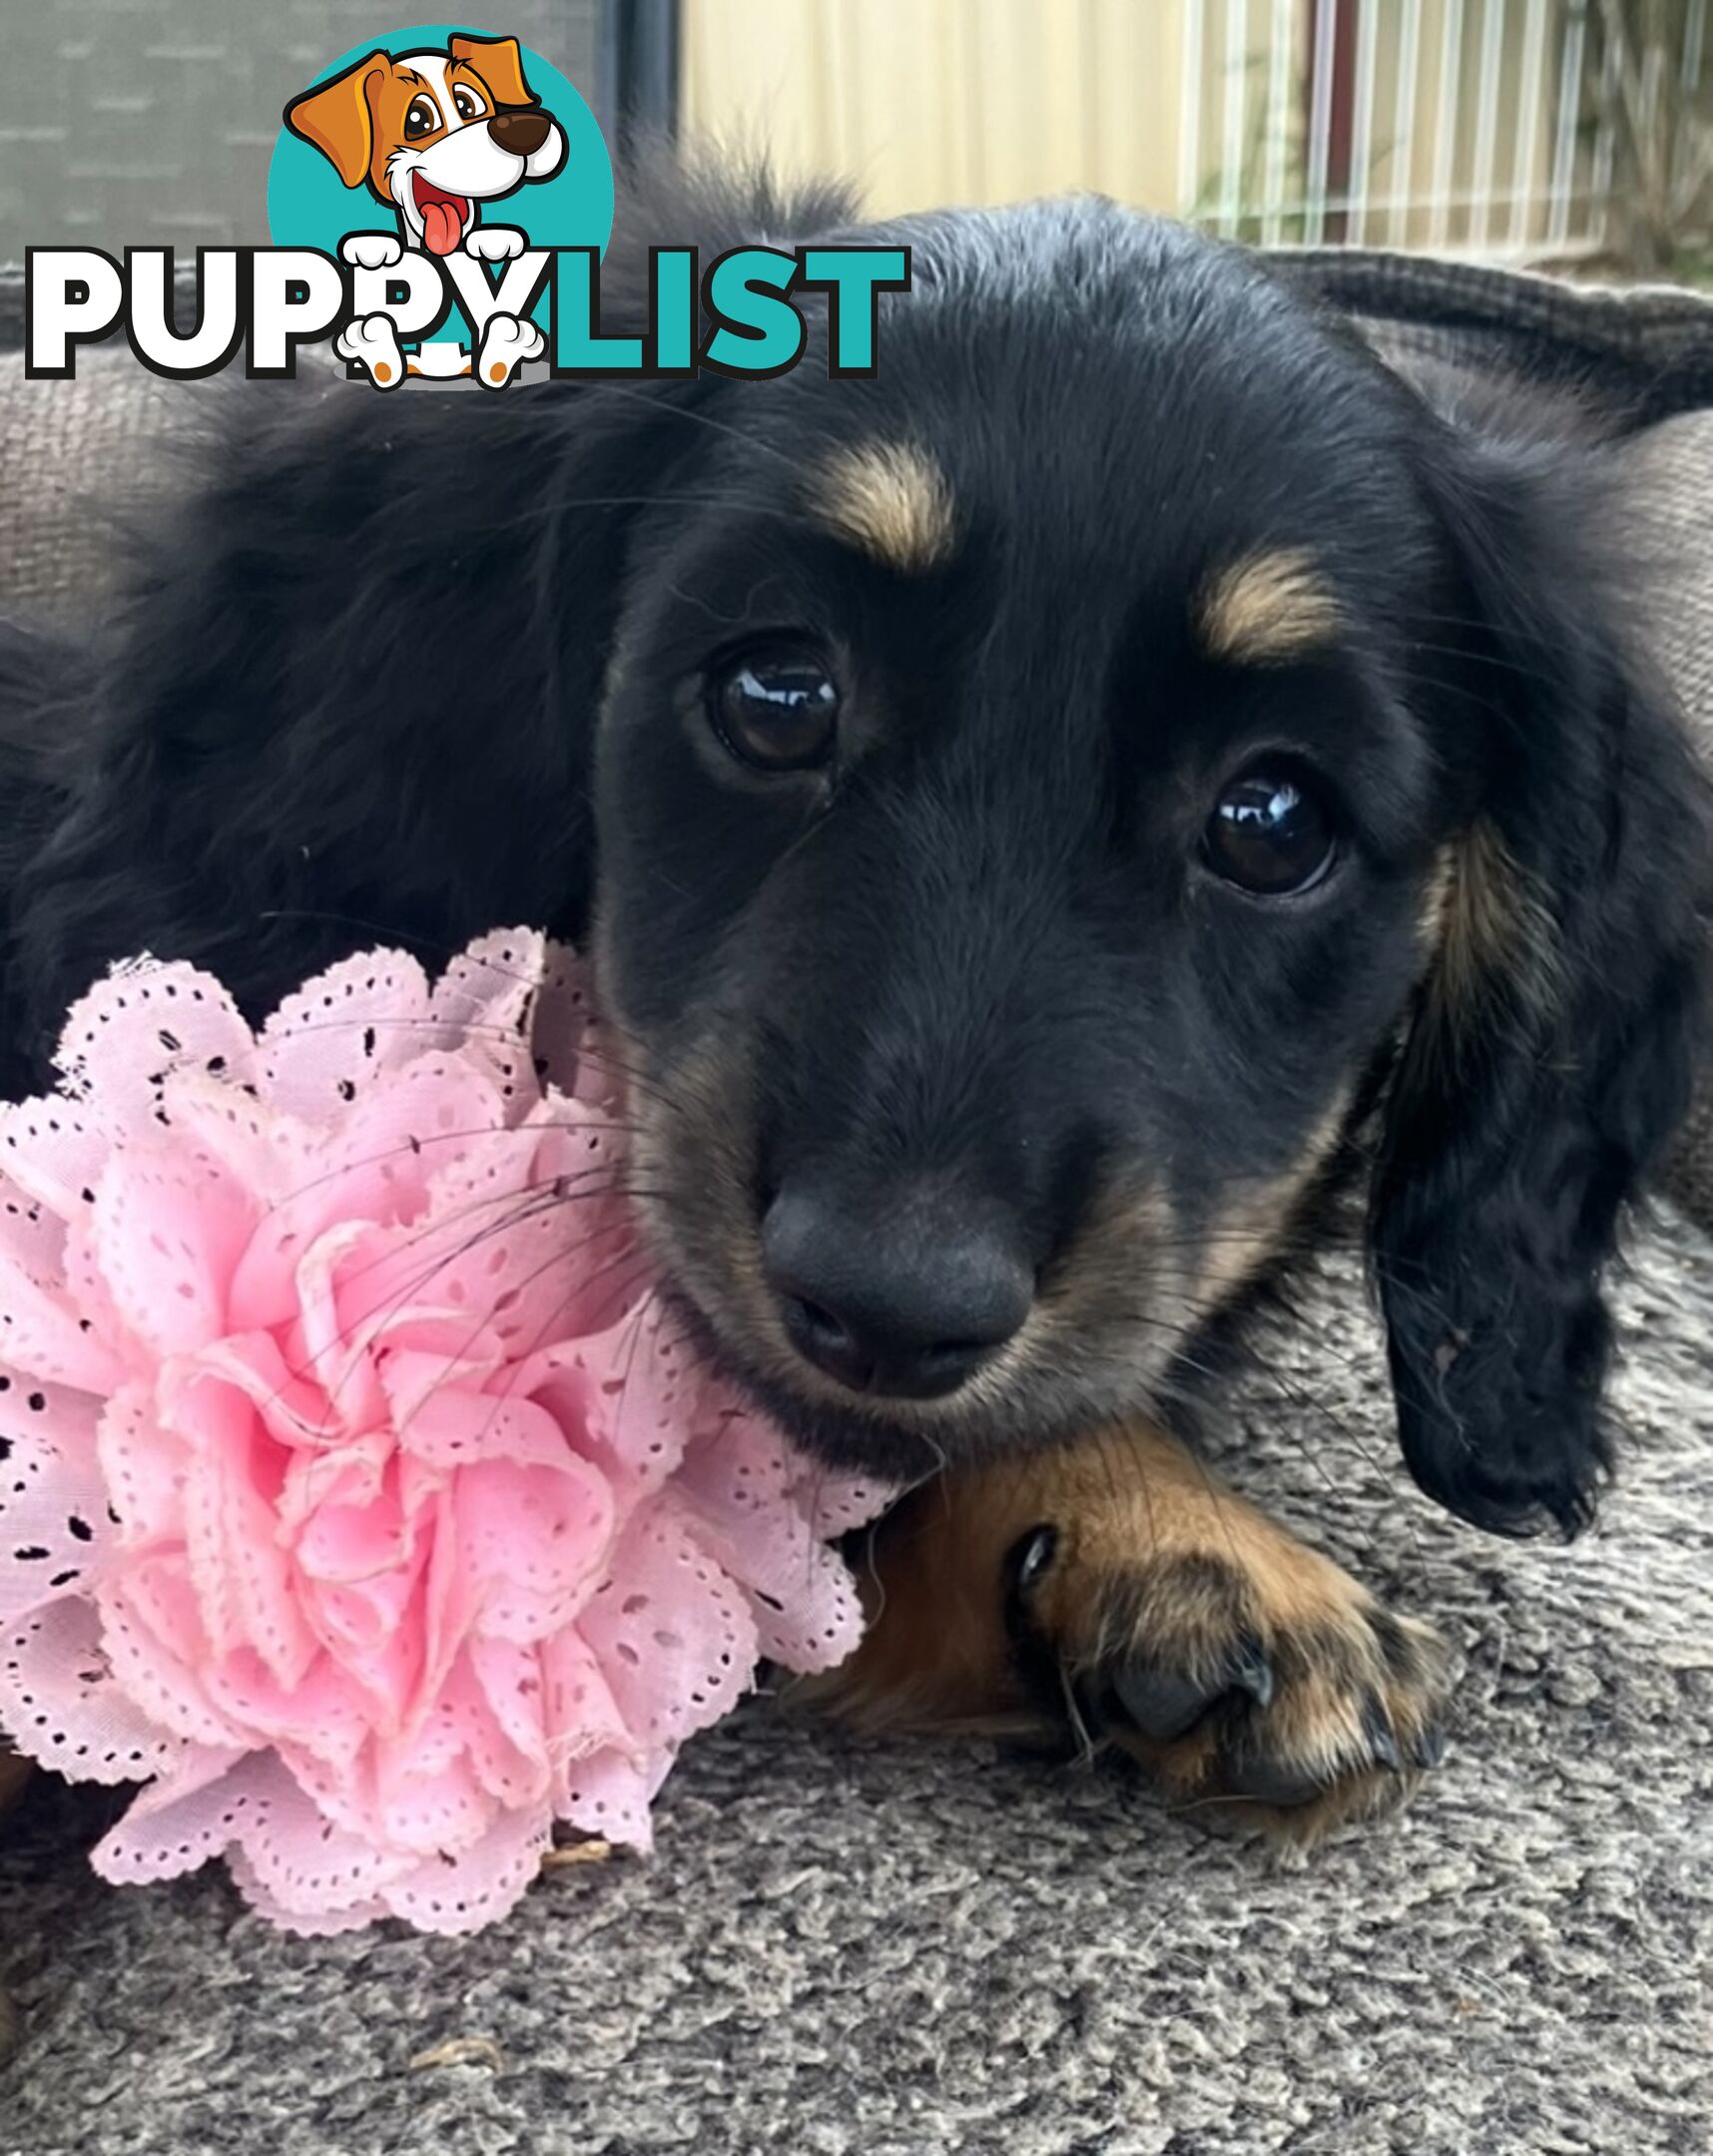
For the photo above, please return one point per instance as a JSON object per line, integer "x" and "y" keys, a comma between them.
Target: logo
{"x": 439, "y": 203}
{"x": 466, "y": 151}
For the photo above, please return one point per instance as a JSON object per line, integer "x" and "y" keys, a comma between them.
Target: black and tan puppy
{"x": 1049, "y": 817}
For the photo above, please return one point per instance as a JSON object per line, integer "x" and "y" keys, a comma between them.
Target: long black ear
{"x": 348, "y": 694}
{"x": 1552, "y": 1048}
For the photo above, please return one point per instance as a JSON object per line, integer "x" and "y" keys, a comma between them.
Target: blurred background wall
{"x": 151, "y": 122}
{"x": 1521, "y": 129}
{"x": 1558, "y": 131}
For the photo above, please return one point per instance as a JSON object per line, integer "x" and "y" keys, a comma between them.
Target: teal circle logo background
{"x": 310, "y": 206}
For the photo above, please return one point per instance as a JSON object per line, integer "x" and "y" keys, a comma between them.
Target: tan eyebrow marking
{"x": 890, "y": 500}
{"x": 1267, "y": 608}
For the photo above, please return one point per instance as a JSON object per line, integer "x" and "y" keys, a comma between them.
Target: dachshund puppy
{"x": 1050, "y": 817}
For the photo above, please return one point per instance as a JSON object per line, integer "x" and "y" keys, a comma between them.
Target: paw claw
{"x": 1382, "y": 1739}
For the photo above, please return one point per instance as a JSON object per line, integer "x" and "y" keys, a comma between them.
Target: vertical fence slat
{"x": 1236, "y": 62}
{"x": 1487, "y": 121}
{"x": 1446, "y": 135}
{"x": 1404, "y": 124}
{"x": 1694, "y": 45}
{"x": 1689, "y": 80}
{"x": 1484, "y": 143}
{"x": 1568, "y": 120}
{"x": 1279, "y": 118}
{"x": 1653, "y": 74}
{"x": 1361, "y": 122}
{"x": 1320, "y": 122}
{"x": 1604, "y": 143}
{"x": 1190, "y": 112}
{"x": 1530, "y": 97}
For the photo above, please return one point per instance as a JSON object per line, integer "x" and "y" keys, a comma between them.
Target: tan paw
{"x": 1248, "y": 1672}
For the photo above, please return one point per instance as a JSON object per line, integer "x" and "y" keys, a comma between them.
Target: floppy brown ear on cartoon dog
{"x": 499, "y": 62}
{"x": 338, "y": 119}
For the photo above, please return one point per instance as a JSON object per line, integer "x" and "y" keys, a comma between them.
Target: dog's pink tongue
{"x": 441, "y": 226}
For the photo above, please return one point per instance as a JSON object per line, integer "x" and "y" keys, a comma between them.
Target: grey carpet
{"x": 889, "y": 1950}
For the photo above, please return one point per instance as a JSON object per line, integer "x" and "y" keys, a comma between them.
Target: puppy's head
{"x": 1064, "y": 802}
{"x": 1056, "y": 807}
{"x": 434, "y": 134}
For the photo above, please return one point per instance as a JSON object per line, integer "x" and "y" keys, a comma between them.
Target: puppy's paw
{"x": 494, "y": 242}
{"x": 1248, "y": 1672}
{"x": 507, "y": 342}
{"x": 1112, "y": 1589}
{"x": 371, "y": 342}
{"x": 372, "y": 250}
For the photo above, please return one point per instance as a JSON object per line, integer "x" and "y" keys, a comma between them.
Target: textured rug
{"x": 893, "y": 1950}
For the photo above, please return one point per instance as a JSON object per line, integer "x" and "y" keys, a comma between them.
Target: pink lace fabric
{"x": 356, "y": 1495}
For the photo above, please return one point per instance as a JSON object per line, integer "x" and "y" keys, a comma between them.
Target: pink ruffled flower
{"x": 356, "y": 1493}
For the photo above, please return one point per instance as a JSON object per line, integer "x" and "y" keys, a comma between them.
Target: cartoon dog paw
{"x": 370, "y": 249}
{"x": 495, "y": 242}
{"x": 507, "y": 344}
{"x": 371, "y": 342}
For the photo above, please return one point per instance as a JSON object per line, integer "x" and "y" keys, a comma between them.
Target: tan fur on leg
{"x": 1159, "y": 1586}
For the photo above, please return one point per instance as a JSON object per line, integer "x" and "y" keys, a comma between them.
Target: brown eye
{"x": 1270, "y": 832}
{"x": 776, "y": 709}
{"x": 422, "y": 118}
{"x": 468, "y": 103}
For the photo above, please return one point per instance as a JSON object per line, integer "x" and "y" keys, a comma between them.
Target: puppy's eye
{"x": 467, "y": 104}
{"x": 777, "y": 708}
{"x": 422, "y": 118}
{"x": 1269, "y": 832}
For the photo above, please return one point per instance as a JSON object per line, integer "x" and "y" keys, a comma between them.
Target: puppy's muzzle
{"x": 520, "y": 133}
{"x": 902, "y": 1299}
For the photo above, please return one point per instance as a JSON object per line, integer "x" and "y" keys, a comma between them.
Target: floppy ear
{"x": 1552, "y": 1048}
{"x": 351, "y": 697}
{"x": 499, "y": 62}
{"x": 334, "y": 118}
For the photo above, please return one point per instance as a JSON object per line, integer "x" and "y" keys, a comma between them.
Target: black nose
{"x": 522, "y": 132}
{"x": 904, "y": 1299}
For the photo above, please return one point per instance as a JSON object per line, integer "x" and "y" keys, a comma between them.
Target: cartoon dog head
{"x": 434, "y": 134}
